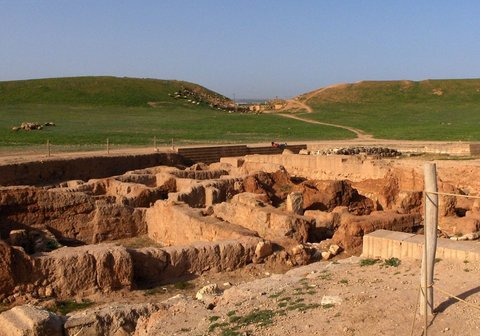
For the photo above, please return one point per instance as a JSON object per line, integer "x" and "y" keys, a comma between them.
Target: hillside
{"x": 423, "y": 110}
{"x": 100, "y": 91}
{"x": 131, "y": 112}
{"x": 395, "y": 91}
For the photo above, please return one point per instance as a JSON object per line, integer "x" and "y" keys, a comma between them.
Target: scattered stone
{"x": 326, "y": 255}
{"x": 468, "y": 236}
{"x": 304, "y": 152}
{"x": 334, "y": 249}
{"x": 331, "y": 300}
{"x": 374, "y": 151}
{"x": 263, "y": 250}
{"x": 31, "y": 126}
{"x": 300, "y": 255}
{"x": 207, "y": 292}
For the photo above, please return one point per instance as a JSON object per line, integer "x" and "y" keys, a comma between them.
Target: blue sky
{"x": 253, "y": 49}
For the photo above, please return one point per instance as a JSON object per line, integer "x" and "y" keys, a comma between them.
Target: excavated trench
{"x": 80, "y": 237}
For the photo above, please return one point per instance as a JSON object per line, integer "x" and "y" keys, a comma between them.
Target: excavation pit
{"x": 151, "y": 226}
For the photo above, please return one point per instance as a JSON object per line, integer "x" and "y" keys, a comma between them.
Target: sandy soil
{"x": 373, "y": 300}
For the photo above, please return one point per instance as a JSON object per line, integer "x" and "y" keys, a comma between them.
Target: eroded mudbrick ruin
{"x": 71, "y": 239}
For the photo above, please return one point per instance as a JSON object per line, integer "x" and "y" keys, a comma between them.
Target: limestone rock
{"x": 30, "y": 320}
{"x": 326, "y": 255}
{"x": 295, "y": 203}
{"x": 468, "y": 236}
{"x": 300, "y": 255}
{"x": 85, "y": 270}
{"x": 114, "y": 319}
{"x": 304, "y": 152}
{"x": 331, "y": 300}
{"x": 206, "y": 292}
{"x": 263, "y": 250}
{"x": 352, "y": 228}
{"x": 334, "y": 249}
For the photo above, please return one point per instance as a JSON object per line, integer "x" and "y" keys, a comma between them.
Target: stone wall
{"x": 214, "y": 153}
{"x": 153, "y": 265}
{"x": 73, "y": 217}
{"x": 169, "y": 223}
{"x": 81, "y": 168}
{"x": 321, "y": 167}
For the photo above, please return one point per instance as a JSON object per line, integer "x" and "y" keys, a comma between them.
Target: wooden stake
{"x": 48, "y": 148}
{"x": 430, "y": 246}
{"x": 155, "y": 144}
{"x": 108, "y": 146}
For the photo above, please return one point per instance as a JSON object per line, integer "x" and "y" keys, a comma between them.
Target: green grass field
{"x": 136, "y": 126}
{"x": 427, "y": 110}
{"x": 88, "y": 110}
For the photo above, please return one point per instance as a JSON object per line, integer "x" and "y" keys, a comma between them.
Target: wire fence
{"x": 51, "y": 149}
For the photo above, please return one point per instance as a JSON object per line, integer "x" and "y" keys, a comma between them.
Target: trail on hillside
{"x": 293, "y": 104}
{"x": 307, "y": 96}
{"x": 361, "y": 135}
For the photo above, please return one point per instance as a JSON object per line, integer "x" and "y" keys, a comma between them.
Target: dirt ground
{"x": 13, "y": 157}
{"x": 370, "y": 300}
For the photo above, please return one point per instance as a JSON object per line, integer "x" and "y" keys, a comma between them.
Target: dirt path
{"x": 293, "y": 104}
{"x": 361, "y": 135}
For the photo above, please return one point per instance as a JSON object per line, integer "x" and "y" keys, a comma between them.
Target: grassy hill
{"x": 99, "y": 91}
{"x": 131, "y": 111}
{"x": 424, "y": 110}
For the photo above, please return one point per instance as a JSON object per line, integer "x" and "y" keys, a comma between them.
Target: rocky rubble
{"x": 373, "y": 151}
{"x": 31, "y": 126}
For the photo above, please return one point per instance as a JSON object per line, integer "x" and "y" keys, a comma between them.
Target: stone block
{"x": 295, "y": 203}
{"x": 30, "y": 320}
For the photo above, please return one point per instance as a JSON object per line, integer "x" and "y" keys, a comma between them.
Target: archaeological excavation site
{"x": 107, "y": 233}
